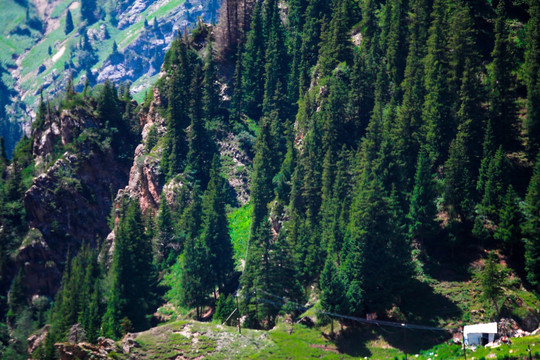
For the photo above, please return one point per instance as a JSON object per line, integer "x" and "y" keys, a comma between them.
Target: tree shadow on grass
{"x": 420, "y": 306}
{"x": 353, "y": 340}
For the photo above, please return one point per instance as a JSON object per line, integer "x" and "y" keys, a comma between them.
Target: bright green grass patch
{"x": 128, "y": 35}
{"x": 147, "y": 82}
{"x": 61, "y": 8}
{"x": 11, "y": 16}
{"x": 239, "y": 224}
{"x": 518, "y": 350}
{"x": 299, "y": 343}
{"x": 39, "y": 53}
{"x": 17, "y": 45}
{"x": 162, "y": 10}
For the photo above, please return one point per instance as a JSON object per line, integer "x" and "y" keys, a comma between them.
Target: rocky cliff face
{"x": 145, "y": 177}
{"x": 145, "y": 180}
{"x": 69, "y": 203}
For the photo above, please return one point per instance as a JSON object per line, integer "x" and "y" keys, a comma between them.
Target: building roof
{"x": 490, "y": 328}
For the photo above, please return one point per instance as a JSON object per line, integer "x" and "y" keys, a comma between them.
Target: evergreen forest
{"x": 344, "y": 157}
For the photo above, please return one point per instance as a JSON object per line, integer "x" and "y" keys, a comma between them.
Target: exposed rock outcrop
{"x": 86, "y": 351}
{"x": 37, "y": 339}
{"x": 145, "y": 174}
{"x": 69, "y": 203}
{"x": 237, "y": 168}
{"x": 105, "y": 348}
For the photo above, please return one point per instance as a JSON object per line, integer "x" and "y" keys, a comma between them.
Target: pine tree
{"x": 196, "y": 280}
{"x": 532, "y": 68}
{"x": 423, "y": 211}
{"x": 166, "y": 246}
{"x": 132, "y": 295}
{"x": 215, "y": 232}
{"x": 360, "y": 98}
{"x": 465, "y": 153}
{"x": 439, "y": 127}
{"x": 531, "y": 226}
{"x": 269, "y": 272}
{"x": 335, "y": 207}
{"x": 237, "y": 91}
{"x": 88, "y": 9}
{"x": 69, "y": 23}
{"x": 396, "y": 51}
{"x": 256, "y": 274}
{"x": 459, "y": 183}
{"x": 488, "y": 150}
{"x": 470, "y": 96}
{"x": 253, "y": 67}
{"x": 224, "y": 308}
{"x": 17, "y": 296}
{"x": 351, "y": 268}
{"x": 508, "y": 230}
{"x": 90, "y": 318}
{"x": 369, "y": 23}
{"x": 316, "y": 13}
{"x": 191, "y": 221}
{"x": 496, "y": 183}
{"x": 336, "y": 45}
{"x": 264, "y": 170}
{"x": 490, "y": 279}
{"x": 296, "y": 24}
{"x": 502, "y": 97}
{"x": 282, "y": 180}
{"x": 210, "y": 87}
{"x": 108, "y": 105}
{"x": 201, "y": 148}
{"x": 333, "y": 290}
{"x": 313, "y": 163}
{"x": 377, "y": 260}
{"x": 178, "y": 108}
{"x": 464, "y": 53}
{"x": 276, "y": 69}
{"x": 70, "y": 89}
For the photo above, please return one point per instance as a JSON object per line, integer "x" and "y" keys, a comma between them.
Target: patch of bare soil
{"x": 330, "y": 348}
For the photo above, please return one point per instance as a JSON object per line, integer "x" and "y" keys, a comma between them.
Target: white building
{"x": 479, "y": 334}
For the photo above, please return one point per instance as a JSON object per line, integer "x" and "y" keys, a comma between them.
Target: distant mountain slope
{"x": 38, "y": 54}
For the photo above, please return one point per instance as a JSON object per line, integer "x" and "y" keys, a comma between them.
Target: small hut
{"x": 479, "y": 334}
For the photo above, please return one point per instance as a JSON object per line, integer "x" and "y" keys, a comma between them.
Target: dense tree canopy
{"x": 378, "y": 136}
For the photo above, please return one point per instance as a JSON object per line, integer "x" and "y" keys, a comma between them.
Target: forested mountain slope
{"x": 346, "y": 157}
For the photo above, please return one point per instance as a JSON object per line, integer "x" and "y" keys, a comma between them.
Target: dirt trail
{"x": 59, "y": 54}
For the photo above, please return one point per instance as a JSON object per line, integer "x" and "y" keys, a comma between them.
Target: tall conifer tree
{"x": 253, "y": 67}
{"x": 132, "y": 292}
{"x": 215, "y": 231}
{"x": 531, "y": 227}
{"x": 502, "y": 97}
{"x": 532, "y": 69}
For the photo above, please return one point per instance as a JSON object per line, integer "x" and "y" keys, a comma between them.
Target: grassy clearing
{"x": 11, "y": 16}
{"x": 239, "y": 224}
{"x": 518, "y": 350}
{"x": 192, "y": 339}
